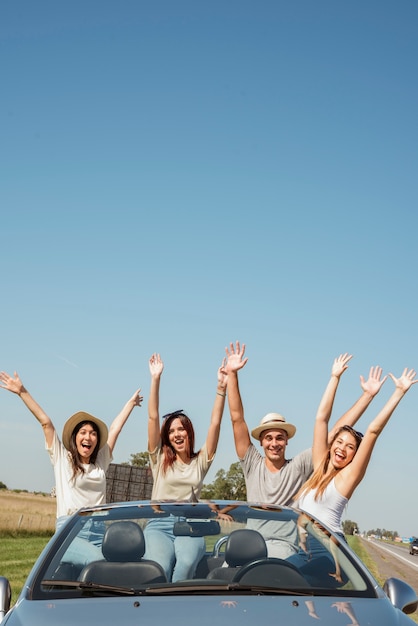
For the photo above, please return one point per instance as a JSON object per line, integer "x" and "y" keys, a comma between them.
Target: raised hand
{"x": 156, "y": 365}
{"x": 137, "y": 399}
{"x": 11, "y": 383}
{"x": 235, "y": 357}
{"x": 406, "y": 380}
{"x": 373, "y": 384}
{"x": 222, "y": 374}
{"x": 340, "y": 364}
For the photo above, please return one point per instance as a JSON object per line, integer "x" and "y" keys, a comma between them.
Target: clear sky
{"x": 175, "y": 176}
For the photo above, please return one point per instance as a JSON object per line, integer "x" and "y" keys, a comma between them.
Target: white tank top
{"x": 328, "y": 508}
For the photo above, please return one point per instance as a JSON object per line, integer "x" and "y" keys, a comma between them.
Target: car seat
{"x": 243, "y": 545}
{"x": 123, "y": 548}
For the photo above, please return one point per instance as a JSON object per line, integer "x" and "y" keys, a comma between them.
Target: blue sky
{"x": 175, "y": 176}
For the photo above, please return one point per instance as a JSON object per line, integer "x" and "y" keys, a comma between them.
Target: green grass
{"x": 18, "y": 553}
{"x": 356, "y": 545}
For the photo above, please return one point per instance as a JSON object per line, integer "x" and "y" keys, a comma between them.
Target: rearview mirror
{"x": 196, "y": 528}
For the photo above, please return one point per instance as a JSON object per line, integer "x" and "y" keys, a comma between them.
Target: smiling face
{"x": 343, "y": 449}
{"x": 86, "y": 440}
{"x": 178, "y": 438}
{"x": 274, "y": 442}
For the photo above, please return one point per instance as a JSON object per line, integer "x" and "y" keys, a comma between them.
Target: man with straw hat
{"x": 273, "y": 479}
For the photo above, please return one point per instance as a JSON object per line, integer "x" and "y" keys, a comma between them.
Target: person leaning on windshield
{"x": 178, "y": 472}
{"x": 81, "y": 460}
{"x": 273, "y": 479}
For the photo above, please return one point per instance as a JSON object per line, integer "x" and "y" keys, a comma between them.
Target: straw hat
{"x": 78, "y": 417}
{"x": 273, "y": 421}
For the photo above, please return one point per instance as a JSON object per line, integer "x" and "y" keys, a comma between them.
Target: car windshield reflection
{"x": 247, "y": 549}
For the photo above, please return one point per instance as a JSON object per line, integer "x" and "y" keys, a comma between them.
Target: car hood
{"x": 236, "y": 610}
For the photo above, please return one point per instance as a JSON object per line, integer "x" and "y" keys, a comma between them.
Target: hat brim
{"x": 82, "y": 416}
{"x": 274, "y": 425}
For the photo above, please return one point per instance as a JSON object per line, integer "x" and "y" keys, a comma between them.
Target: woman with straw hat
{"x": 83, "y": 456}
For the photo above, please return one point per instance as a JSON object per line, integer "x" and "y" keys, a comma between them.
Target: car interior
{"x": 236, "y": 552}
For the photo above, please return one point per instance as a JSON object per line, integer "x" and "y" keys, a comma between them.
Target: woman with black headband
{"x": 178, "y": 472}
{"x": 340, "y": 465}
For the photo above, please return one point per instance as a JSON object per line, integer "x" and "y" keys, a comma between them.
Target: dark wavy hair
{"x": 169, "y": 455}
{"x": 74, "y": 454}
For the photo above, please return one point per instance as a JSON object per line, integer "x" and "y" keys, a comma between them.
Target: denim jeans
{"x": 178, "y": 556}
{"x": 86, "y": 547}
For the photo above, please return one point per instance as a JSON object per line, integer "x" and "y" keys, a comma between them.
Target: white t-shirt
{"x": 180, "y": 479}
{"x": 86, "y": 489}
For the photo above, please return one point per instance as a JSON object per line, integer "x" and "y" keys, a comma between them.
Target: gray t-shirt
{"x": 275, "y": 487}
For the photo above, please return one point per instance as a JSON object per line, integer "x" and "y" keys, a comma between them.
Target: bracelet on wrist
{"x": 221, "y": 394}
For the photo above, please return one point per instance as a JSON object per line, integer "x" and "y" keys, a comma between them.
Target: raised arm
{"x": 235, "y": 362}
{"x": 120, "y": 420}
{"x": 156, "y": 367}
{"x": 217, "y": 411}
{"x": 371, "y": 388}
{"x": 323, "y": 414}
{"x": 350, "y": 477}
{"x": 15, "y": 385}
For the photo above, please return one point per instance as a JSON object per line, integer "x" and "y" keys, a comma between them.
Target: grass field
{"x": 17, "y": 556}
{"x": 27, "y": 521}
{"x": 355, "y": 544}
{"x": 22, "y": 511}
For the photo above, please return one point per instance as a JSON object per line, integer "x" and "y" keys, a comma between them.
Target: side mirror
{"x": 5, "y": 596}
{"x": 401, "y": 595}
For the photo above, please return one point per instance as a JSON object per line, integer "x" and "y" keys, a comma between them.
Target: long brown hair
{"x": 169, "y": 455}
{"x": 74, "y": 454}
{"x": 320, "y": 480}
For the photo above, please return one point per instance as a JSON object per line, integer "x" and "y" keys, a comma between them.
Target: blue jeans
{"x": 86, "y": 547}
{"x": 178, "y": 556}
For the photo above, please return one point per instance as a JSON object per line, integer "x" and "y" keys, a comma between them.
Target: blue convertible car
{"x": 260, "y": 563}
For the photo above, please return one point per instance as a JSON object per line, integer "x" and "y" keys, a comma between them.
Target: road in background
{"x": 393, "y": 560}
{"x": 400, "y": 552}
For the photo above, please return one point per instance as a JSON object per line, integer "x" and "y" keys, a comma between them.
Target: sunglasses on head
{"x": 351, "y": 430}
{"x": 173, "y": 414}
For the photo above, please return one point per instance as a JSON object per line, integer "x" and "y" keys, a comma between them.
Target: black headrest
{"x": 244, "y": 545}
{"x": 123, "y": 541}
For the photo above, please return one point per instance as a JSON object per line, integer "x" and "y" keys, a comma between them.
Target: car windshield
{"x": 246, "y": 549}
